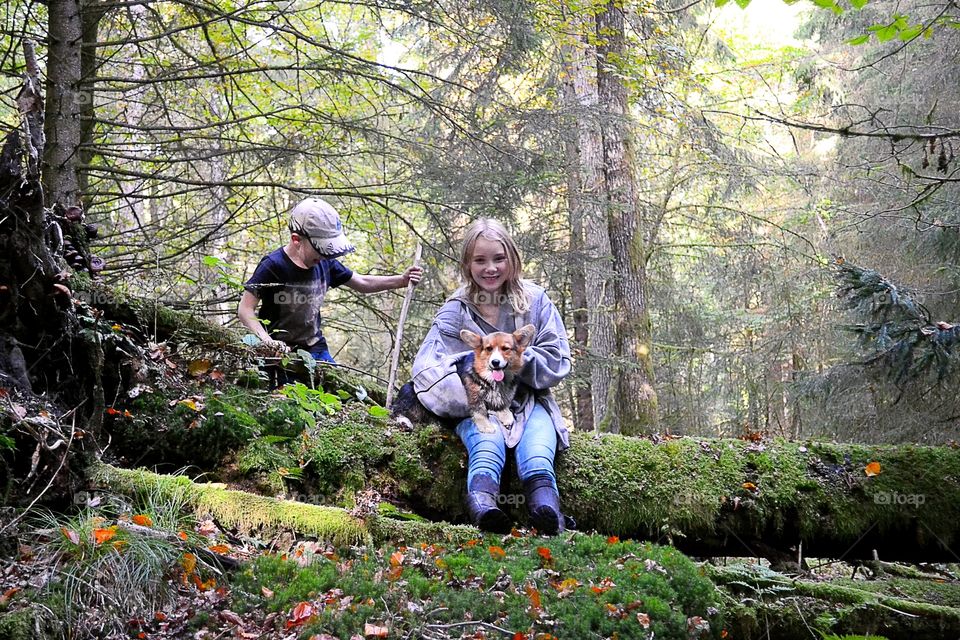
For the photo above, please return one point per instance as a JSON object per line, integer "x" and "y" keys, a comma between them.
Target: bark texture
{"x": 632, "y": 395}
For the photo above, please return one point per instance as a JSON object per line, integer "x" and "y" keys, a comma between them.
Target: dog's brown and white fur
{"x": 488, "y": 376}
{"x": 491, "y": 381}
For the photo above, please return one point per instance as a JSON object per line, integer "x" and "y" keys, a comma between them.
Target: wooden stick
{"x": 403, "y": 318}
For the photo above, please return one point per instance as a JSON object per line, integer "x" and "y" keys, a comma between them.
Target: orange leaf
{"x": 374, "y": 630}
{"x": 872, "y": 469}
{"x": 9, "y": 593}
{"x": 519, "y": 635}
{"x": 534, "y": 595}
{"x": 112, "y": 412}
{"x": 300, "y": 614}
{"x": 119, "y": 544}
{"x": 749, "y": 486}
{"x": 182, "y": 535}
{"x": 544, "y": 553}
{"x": 473, "y": 543}
{"x": 102, "y": 535}
{"x": 396, "y": 559}
{"x": 497, "y": 553}
{"x": 188, "y": 562}
{"x": 613, "y": 539}
{"x": 222, "y": 549}
{"x": 142, "y": 519}
{"x": 159, "y": 616}
{"x": 70, "y": 535}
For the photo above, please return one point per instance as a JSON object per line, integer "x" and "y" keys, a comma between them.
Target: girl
{"x": 494, "y": 298}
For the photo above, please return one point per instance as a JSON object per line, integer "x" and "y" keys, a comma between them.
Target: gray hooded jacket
{"x": 545, "y": 362}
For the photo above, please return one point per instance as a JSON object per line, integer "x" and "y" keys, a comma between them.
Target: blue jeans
{"x": 487, "y": 452}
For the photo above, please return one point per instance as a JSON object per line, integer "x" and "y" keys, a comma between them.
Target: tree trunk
{"x": 633, "y": 395}
{"x": 64, "y": 104}
{"x": 595, "y": 331}
{"x": 583, "y": 405}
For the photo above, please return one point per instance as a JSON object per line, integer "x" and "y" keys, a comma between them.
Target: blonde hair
{"x": 494, "y": 231}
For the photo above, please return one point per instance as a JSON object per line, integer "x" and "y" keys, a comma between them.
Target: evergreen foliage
{"x": 898, "y": 329}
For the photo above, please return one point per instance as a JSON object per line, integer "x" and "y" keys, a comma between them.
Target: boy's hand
{"x": 412, "y": 274}
{"x": 272, "y": 348}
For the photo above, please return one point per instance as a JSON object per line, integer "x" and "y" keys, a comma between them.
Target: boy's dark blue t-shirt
{"x": 290, "y": 296}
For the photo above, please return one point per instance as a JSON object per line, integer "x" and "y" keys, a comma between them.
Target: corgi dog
{"x": 488, "y": 375}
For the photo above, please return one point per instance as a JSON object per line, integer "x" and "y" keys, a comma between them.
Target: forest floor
{"x": 122, "y": 563}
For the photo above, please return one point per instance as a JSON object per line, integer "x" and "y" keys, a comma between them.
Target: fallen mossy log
{"x": 708, "y": 497}
{"x": 730, "y": 497}
{"x": 252, "y": 513}
{"x": 768, "y": 604}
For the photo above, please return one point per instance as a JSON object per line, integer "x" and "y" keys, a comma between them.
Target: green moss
{"x": 496, "y": 581}
{"x": 245, "y": 511}
{"x": 17, "y": 625}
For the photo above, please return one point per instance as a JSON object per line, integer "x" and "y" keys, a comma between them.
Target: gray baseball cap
{"x": 318, "y": 222}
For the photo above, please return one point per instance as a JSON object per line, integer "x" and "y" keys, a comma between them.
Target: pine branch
{"x": 899, "y": 331}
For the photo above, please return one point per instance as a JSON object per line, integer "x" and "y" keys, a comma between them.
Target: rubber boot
{"x": 543, "y": 504}
{"x": 482, "y": 505}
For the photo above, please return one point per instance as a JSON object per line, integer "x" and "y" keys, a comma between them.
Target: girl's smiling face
{"x": 489, "y": 266}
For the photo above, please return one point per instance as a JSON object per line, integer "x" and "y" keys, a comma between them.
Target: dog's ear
{"x": 524, "y": 336}
{"x": 471, "y": 339}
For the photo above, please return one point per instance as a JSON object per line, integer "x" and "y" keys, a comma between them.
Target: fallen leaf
{"x": 749, "y": 486}
{"x": 544, "y": 554}
{"x": 497, "y": 553}
{"x": 644, "y": 620}
{"x": 396, "y": 559}
{"x": 872, "y": 469}
{"x": 534, "y": 594}
{"x": 188, "y": 562}
{"x": 267, "y": 593}
{"x": 182, "y": 535}
{"x": 374, "y": 631}
{"x": 231, "y": 617}
{"x": 102, "y": 535}
{"x": 70, "y": 535}
{"x": 222, "y": 549}
{"x": 192, "y": 404}
{"x": 566, "y": 587}
{"x": 9, "y": 593}
{"x": 197, "y": 368}
{"x": 142, "y": 519}
{"x": 300, "y": 615}
{"x": 613, "y": 539}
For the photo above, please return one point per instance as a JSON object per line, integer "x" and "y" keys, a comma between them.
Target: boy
{"x": 292, "y": 281}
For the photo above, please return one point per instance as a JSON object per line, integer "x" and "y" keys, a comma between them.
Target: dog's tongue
{"x": 497, "y": 375}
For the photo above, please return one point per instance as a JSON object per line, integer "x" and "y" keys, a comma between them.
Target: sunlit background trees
{"x": 686, "y": 179}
